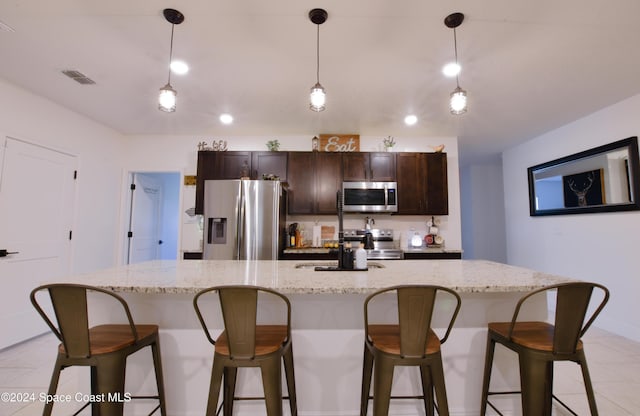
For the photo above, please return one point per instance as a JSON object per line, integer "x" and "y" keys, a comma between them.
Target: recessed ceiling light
{"x": 451, "y": 69}
{"x": 410, "y": 120}
{"x": 179, "y": 67}
{"x": 226, "y": 119}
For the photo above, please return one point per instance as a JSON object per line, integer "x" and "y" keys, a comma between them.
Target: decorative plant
{"x": 273, "y": 145}
{"x": 389, "y": 142}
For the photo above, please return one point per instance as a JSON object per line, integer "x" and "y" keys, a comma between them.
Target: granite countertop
{"x": 431, "y": 250}
{"x": 175, "y": 277}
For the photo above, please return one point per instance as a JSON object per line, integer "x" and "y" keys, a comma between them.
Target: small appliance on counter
{"x": 383, "y": 248}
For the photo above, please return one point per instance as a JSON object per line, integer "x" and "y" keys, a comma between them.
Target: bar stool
{"x": 410, "y": 342}
{"x": 244, "y": 343}
{"x": 539, "y": 344}
{"x": 104, "y": 348}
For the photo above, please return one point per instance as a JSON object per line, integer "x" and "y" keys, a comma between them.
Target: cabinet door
{"x": 219, "y": 165}
{"x": 232, "y": 165}
{"x": 437, "y": 191}
{"x": 355, "y": 166}
{"x": 328, "y": 181}
{"x": 382, "y": 166}
{"x": 206, "y": 170}
{"x": 301, "y": 177}
{"x": 269, "y": 163}
{"x": 410, "y": 174}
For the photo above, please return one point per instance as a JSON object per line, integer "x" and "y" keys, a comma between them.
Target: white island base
{"x": 327, "y": 322}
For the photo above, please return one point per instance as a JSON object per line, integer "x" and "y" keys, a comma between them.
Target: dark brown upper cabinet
{"x": 365, "y": 166}
{"x": 269, "y": 163}
{"x": 315, "y": 177}
{"x": 235, "y": 165}
{"x": 422, "y": 183}
{"x": 314, "y": 180}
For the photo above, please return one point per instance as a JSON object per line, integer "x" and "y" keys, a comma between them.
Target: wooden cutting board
{"x": 327, "y": 232}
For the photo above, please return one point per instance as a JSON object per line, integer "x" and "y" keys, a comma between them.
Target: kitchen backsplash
{"x": 404, "y": 227}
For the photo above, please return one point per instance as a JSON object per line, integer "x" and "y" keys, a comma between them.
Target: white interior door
{"x": 37, "y": 188}
{"x": 145, "y": 219}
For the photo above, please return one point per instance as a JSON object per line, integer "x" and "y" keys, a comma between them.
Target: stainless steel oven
{"x": 370, "y": 196}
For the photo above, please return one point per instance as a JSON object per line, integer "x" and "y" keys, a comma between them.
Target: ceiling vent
{"x": 78, "y": 76}
{"x": 5, "y": 27}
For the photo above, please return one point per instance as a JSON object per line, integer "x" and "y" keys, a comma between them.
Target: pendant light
{"x": 317, "y": 96}
{"x": 167, "y": 97}
{"x": 458, "y": 98}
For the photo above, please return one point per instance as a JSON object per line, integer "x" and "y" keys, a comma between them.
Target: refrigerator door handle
{"x": 240, "y": 223}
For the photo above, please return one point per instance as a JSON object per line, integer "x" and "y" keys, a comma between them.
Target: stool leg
{"x": 157, "y": 365}
{"x": 437, "y": 374}
{"x": 382, "y": 380}
{"x": 272, "y": 383}
{"x": 230, "y": 376}
{"x": 291, "y": 380}
{"x": 110, "y": 375}
{"x": 53, "y": 386}
{"x": 535, "y": 385}
{"x": 214, "y": 387}
{"x": 491, "y": 346}
{"x": 367, "y": 369}
{"x": 427, "y": 389}
{"x": 587, "y": 383}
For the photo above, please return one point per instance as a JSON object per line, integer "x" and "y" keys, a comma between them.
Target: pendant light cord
{"x": 455, "y": 51}
{"x": 170, "y": 53}
{"x": 318, "y": 54}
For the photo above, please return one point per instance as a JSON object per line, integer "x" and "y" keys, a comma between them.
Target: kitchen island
{"x": 327, "y": 326}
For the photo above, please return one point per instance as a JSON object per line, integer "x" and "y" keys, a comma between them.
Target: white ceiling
{"x": 528, "y": 66}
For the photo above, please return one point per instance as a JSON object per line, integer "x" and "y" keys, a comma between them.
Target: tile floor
{"x": 614, "y": 363}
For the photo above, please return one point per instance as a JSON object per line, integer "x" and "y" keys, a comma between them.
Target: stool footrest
{"x": 497, "y": 393}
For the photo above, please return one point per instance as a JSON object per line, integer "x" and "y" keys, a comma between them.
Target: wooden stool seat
{"x": 269, "y": 339}
{"x": 533, "y": 335}
{"x": 386, "y": 338}
{"x": 104, "y": 339}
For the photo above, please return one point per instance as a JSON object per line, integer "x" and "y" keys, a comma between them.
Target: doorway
{"x": 153, "y": 217}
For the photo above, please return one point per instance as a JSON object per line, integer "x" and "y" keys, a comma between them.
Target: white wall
{"x": 482, "y": 199}
{"x": 37, "y": 120}
{"x": 596, "y": 247}
{"x": 148, "y": 153}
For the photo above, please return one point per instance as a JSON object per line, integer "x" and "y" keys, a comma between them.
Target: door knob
{"x": 4, "y": 252}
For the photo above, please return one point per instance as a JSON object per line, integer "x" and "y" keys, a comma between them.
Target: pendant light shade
{"x": 167, "y": 99}
{"x": 458, "y": 101}
{"x": 317, "y": 98}
{"x": 167, "y": 96}
{"x": 458, "y": 98}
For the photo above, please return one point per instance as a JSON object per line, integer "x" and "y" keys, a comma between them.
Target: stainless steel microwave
{"x": 370, "y": 196}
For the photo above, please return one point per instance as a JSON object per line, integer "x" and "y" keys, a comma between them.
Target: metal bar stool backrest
{"x": 415, "y": 309}
{"x": 70, "y": 308}
{"x": 239, "y": 305}
{"x": 571, "y": 309}
{"x": 572, "y": 303}
{"x": 415, "y": 312}
{"x": 239, "y": 312}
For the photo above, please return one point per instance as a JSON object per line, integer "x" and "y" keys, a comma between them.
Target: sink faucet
{"x": 340, "y": 206}
{"x": 368, "y": 222}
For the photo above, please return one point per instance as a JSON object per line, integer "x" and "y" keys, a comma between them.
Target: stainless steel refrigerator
{"x": 243, "y": 219}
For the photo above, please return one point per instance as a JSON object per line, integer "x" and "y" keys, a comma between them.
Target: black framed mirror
{"x": 602, "y": 179}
